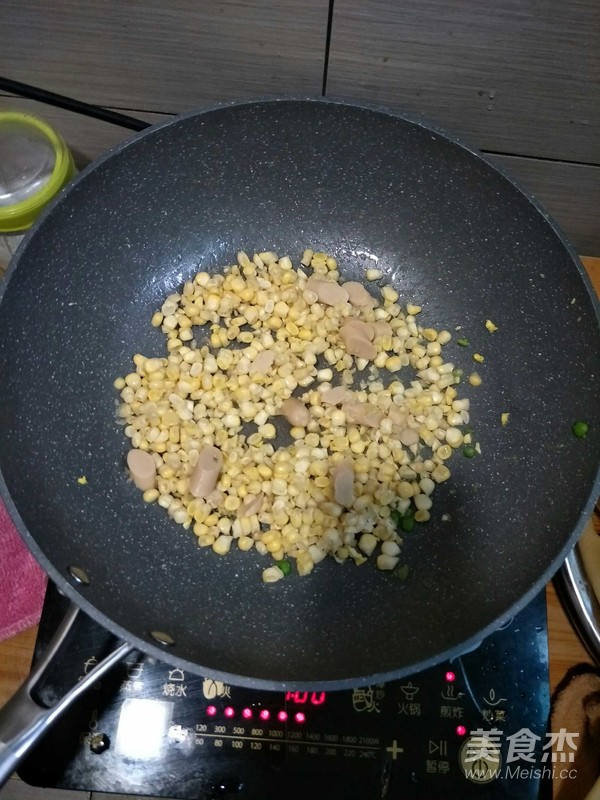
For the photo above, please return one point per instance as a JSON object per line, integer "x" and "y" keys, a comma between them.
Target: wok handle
{"x": 23, "y": 721}
{"x": 579, "y": 601}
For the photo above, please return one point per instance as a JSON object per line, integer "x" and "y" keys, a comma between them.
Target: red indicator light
{"x": 247, "y": 713}
{"x": 211, "y": 711}
{"x": 461, "y": 730}
{"x": 300, "y": 717}
{"x": 229, "y": 712}
{"x": 450, "y": 676}
{"x": 265, "y": 714}
{"x": 282, "y": 716}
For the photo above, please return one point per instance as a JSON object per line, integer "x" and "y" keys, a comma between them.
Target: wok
{"x": 451, "y": 233}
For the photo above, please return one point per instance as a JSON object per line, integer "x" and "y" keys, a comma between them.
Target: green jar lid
{"x": 35, "y": 164}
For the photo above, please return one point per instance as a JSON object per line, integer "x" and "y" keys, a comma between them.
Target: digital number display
{"x": 306, "y": 698}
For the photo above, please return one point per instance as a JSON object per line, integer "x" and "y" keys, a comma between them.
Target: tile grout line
{"x": 327, "y": 47}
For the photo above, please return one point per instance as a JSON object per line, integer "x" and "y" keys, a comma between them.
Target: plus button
{"x": 394, "y": 750}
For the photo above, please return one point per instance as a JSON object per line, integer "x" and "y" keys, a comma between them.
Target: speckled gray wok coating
{"x": 450, "y": 232}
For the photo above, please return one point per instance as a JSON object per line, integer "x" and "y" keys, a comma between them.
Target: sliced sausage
{"x": 206, "y": 472}
{"x": 358, "y": 295}
{"x": 362, "y": 414}
{"x": 142, "y": 468}
{"x": 328, "y": 292}
{"x": 382, "y": 328}
{"x": 343, "y": 483}
{"x": 353, "y": 325}
{"x": 409, "y": 436}
{"x": 262, "y": 363}
{"x": 357, "y": 345}
{"x": 296, "y": 413}
{"x": 337, "y": 396}
{"x": 398, "y": 417}
{"x": 252, "y": 505}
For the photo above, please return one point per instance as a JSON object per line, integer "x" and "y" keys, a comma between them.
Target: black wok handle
{"x": 23, "y": 720}
{"x": 61, "y": 101}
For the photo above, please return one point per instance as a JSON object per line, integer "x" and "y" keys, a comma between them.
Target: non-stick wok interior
{"x": 449, "y": 233}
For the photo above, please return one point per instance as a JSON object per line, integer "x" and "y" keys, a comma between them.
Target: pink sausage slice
{"x": 357, "y": 326}
{"x": 206, "y": 472}
{"x": 337, "y": 395}
{"x": 382, "y": 328}
{"x": 262, "y": 363}
{"x": 252, "y": 505}
{"x": 328, "y": 292}
{"x": 295, "y": 412}
{"x": 343, "y": 483}
{"x": 142, "y": 468}
{"x": 362, "y": 414}
{"x": 360, "y": 347}
{"x": 358, "y": 295}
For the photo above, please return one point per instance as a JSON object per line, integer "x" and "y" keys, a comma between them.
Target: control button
{"x": 450, "y": 693}
{"x": 409, "y": 690}
{"x": 493, "y": 699}
{"x": 480, "y": 759}
{"x": 394, "y": 750}
{"x": 212, "y": 689}
{"x": 440, "y": 746}
{"x": 99, "y": 743}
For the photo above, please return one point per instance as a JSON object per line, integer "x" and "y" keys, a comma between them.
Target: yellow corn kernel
{"x": 490, "y": 326}
{"x": 390, "y": 294}
{"x": 444, "y": 452}
{"x": 380, "y": 359}
{"x": 222, "y": 544}
{"x": 393, "y": 364}
{"x": 245, "y": 543}
{"x": 318, "y": 468}
{"x": 475, "y": 379}
{"x": 232, "y": 503}
{"x": 373, "y": 274}
{"x": 478, "y": 357}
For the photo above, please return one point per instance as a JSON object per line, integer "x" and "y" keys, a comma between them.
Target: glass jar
{"x": 35, "y": 164}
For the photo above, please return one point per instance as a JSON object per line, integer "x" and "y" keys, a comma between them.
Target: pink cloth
{"x": 22, "y": 581}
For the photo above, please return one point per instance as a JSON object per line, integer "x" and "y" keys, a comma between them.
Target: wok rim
{"x": 76, "y": 594}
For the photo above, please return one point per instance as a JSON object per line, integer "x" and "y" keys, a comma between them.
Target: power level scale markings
{"x": 266, "y": 739}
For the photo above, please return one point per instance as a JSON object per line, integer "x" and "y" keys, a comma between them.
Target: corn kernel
{"x": 373, "y": 274}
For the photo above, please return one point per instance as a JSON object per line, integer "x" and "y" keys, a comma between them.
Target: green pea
{"x": 407, "y": 523}
{"x": 469, "y": 451}
{"x": 285, "y": 566}
{"x": 580, "y": 429}
{"x": 395, "y": 516}
{"x": 462, "y": 342}
{"x": 401, "y": 572}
